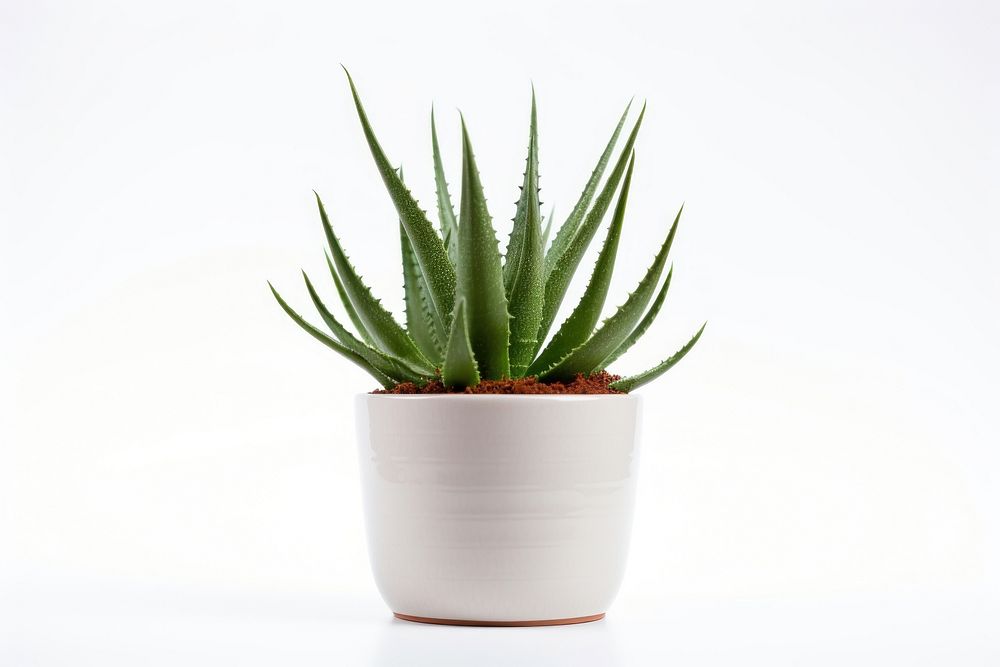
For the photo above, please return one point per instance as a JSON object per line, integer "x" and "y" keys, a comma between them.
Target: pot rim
{"x": 499, "y": 397}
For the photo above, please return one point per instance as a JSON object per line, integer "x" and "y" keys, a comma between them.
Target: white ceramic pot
{"x": 495, "y": 509}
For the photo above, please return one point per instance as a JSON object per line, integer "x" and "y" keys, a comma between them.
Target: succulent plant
{"x": 472, "y": 315}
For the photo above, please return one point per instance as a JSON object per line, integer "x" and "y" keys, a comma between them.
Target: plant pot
{"x": 498, "y": 509}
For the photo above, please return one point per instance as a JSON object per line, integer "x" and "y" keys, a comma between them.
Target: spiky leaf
{"x": 636, "y": 381}
{"x": 460, "y": 368}
{"x": 480, "y": 276}
{"x": 384, "y": 380}
{"x": 359, "y": 326}
{"x": 525, "y": 263}
{"x": 558, "y": 279}
{"x": 641, "y": 328}
{"x": 568, "y": 229}
{"x": 580, "y": 324}
{"x": 588, "y": 357}
{"x": 396, "y": 369}
{"x": 420, "y": 321}
{"x": 446, "y": 212}
{"x": 378, "y": 321}
{"x": 421, "y": 324}
{"x": 527, "y": 204}
{"x": 427, "y": 245}
{"x": 548, "y": 228}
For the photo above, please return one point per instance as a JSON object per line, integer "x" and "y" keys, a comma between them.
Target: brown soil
{"x": 597, "y": 383}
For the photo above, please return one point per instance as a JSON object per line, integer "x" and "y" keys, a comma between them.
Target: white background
{"x": 819, "y": 477}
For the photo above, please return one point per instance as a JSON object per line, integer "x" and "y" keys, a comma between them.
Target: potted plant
{"x": 497, "y": 461}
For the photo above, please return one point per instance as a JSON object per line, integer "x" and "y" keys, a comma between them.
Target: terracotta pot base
{"x": 500, "y": 624}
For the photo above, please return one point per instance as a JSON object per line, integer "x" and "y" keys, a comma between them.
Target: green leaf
{"x": 378, "y": 321}
{"x": 385, "y": 381}
{"x": 527, "y": 205}
{"x": 446, "y": 212}
{"x": 641, "y": 328}
{"x": 558, "y": 279}
{"x": 460, "y": 368}
{"x": 397, "y": 369}
{"x": 421, "y": 324}
{"x": 568, "y": 229}
{"x": 580, "y": 324}
{"x": 548, "y": 228}
{"x": 348, "y": 306}
{"x": 525, "y": 263}
{"x": 636, "y": 381}
{"x": 527, "y": 293}
{"x": 420, "y": 321}
{"x": 427, "y": 245}
{"x": 588, "y": 357}
{"x": 480, "y": 276}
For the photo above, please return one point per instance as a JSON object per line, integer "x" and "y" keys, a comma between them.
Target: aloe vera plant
{"x": 472, "y": 314}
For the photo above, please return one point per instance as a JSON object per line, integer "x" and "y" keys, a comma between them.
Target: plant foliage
{"x": 471, "y": 314}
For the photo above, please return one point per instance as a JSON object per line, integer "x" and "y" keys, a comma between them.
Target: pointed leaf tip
{"x": 427, "y": 245}
{"x": 460, "y": 368}
{"x": 636, "y": 381}
{"x": 383, "y": 379}
{"x": 378, "y": 322}
{"x": 392, "y": 367}
{"x": 575, "y": 235}
{"x": 616, "y": 329}
{"x": 578, "y": 327}
{"x": 480, "y": 274}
